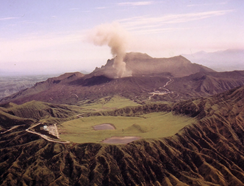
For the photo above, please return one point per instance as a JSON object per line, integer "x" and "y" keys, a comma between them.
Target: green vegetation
{"x": 44, "y": 112}
{"x": 207, "y": 152}
{"x": 152, "y": 125}
{"x": 153, "y": 120}
{"x": 107, "y": 103}
{"x": 7, "y": 120}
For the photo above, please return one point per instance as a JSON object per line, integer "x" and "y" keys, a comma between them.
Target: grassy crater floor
{"x": 153, "y": 125}
{"x": 106, "y": 103}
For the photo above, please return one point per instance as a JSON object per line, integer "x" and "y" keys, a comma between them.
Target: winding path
{"x": 157, "y": 92}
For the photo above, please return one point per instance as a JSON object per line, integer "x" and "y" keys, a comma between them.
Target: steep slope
{"x": 202, "y": 84}
{"x": 209, "y": 152}
{"x": 226, "y": 105}
{"x": 8, "y": 120}
{"x": 37, "y": 110}
{"x": 87, "y": 88}
{"x": 34, "y": 111}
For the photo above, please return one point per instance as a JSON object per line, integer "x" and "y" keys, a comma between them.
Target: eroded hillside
{"x": 208, "y": 152}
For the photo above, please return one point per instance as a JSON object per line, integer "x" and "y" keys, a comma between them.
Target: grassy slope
{"x": 107, "y": 103}
{"x": 37, "y": 111}
{"x": 44, "y": 112}
{"x": 8, "y": 120}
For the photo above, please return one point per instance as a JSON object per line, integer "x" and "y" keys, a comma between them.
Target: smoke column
{"x": 114, "y": 36}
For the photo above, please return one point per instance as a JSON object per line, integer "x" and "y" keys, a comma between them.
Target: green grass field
{"x": 153, "y": 125}
{"x": 107, "y": 103}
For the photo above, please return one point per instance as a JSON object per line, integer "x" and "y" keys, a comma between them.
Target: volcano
{"x": 143, "y": 64}
{"x": 184, "y": 80}
{"x": 184, "y": 123}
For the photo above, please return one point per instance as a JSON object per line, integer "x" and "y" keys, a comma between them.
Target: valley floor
{"x": 146, "y": 126}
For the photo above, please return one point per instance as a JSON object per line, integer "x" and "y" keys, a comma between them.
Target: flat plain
{"x": 146, "y": 126}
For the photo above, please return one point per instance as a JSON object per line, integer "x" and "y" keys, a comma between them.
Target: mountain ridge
{"x": 226, "y": 60}
{"x": 156, "y": 85}
{"x": 81, "y": 87}
{"x": 208, "y": 152}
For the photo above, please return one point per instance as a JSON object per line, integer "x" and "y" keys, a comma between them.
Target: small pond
{"x": 120, "y": 140}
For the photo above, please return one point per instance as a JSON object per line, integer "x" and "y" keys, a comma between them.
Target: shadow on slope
{"x": 91, "y": 81}
{"x": 209, "y": 152}
{"x": 34, "y": 111}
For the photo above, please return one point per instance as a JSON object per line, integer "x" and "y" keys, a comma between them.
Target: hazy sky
{"x": 43, "y": 36}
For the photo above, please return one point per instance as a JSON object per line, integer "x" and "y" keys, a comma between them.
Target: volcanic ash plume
{"x": 115, "y": 37}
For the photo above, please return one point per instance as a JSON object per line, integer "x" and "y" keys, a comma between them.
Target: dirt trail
{"x": 14, "y": 127}
{"x": 166, "y": 91}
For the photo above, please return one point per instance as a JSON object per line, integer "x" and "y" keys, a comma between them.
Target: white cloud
{"x": 207, "y": 4}
{"x": 165, "y": 36}
{"x": 51, "y": 52}
{"x": 148, "y": 23}
{"x": 8, "y": 18}
{"x": 23, "y": 48}
{"x": 138, "y": 3}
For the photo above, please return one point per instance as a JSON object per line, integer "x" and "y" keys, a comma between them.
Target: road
{"x": 47, "y": 138}
{"x": 166, "y": 91}
{"x": 33, "y": 132}
{"x": 44, "y": 136}
{"x": 167, "y": 83}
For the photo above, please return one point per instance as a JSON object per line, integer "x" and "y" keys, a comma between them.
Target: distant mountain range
{"x": 226, "y": 60}
{"x": 12, "y": 84}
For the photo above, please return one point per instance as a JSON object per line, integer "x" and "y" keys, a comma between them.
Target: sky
{"x": 43, "y": 36}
